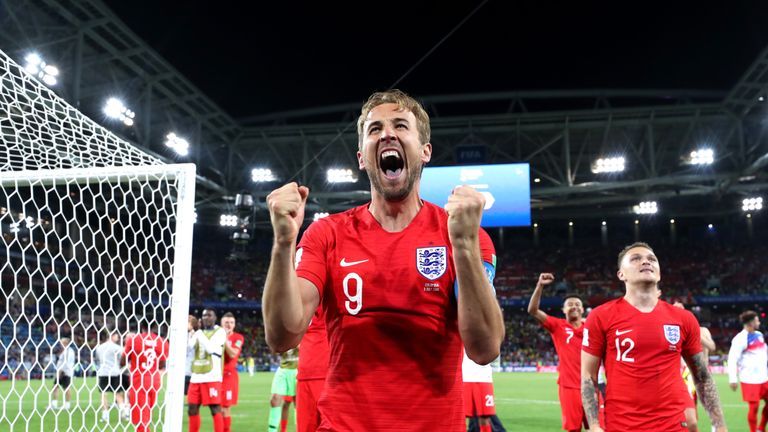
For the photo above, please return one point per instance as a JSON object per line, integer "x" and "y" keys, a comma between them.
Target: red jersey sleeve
{"x": 692, "y": 343}
{"x": 487, "y": 250}
{"x": 128, "y": 346}
{"x": 594, "y": 334}
{"x": 311, "y": 255}
{"x": 550, "y": 323}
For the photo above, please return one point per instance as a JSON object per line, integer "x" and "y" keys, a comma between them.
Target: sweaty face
{"x": 640, "y": 265}
{"x": 391, "y": 152}
{"x": 572, "y": 308}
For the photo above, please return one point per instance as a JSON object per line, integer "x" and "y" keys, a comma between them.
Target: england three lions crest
{"x": 672, "y": 333}
{"x": 432, "y": 261}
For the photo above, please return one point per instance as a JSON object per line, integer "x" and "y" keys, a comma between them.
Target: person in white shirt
{"x": 748, "y": 363}
{"x": 65, "y": 369}
{"x": 207, "y": 372}
{"x": 478, "y": 393}
{"x": 192, "y": 327}
{"x": 109, "y": 373}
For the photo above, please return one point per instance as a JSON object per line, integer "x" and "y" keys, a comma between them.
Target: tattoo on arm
{"x": 706, "y": 389}
{"x": 589, "y": 399}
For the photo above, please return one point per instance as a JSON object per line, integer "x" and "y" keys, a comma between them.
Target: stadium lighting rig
{"x": 336, "y": 175}
{"x": 752, "y": 204}
{"x": 177, "y": 143}
{"x": 704, "y": 156}
{"x": 608, "y": 165}
{"x": 116, "y": 109}
{"x": 262, "y": 175}
{"x": 45, "y": 72}
{"x": 646, "y": 207}
{"x": 228, "y": 220}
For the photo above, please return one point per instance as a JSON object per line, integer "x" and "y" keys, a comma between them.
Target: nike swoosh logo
{"x": 344, "y": 262}
{"x": 619, "y": 333}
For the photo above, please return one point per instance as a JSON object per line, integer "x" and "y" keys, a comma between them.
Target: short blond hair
{"x": 404, "y": 101}
{"x": 632, "y": 246}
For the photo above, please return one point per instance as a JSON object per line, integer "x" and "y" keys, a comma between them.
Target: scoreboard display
{"x": 506, "y": 187}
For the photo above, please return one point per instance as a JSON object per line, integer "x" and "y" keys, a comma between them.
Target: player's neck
{"x": 394, "y": 216}
{"x": 576, "y": 323}
{"x": 642, "y": 297}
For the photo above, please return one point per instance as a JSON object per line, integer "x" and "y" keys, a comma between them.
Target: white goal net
{"x": 96, "y": 243}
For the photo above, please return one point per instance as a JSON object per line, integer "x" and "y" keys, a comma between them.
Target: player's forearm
{"x": 281, "y": 303}
{"x": 589, "y": 399}
{"x": 533, "y": 304}
{"x": 706, "y": 389}
{"x": 481, "y": 323}
{"x": 231, "y": 352}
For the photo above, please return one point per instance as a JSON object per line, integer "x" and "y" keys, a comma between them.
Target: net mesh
{"x": 89, "y": 249}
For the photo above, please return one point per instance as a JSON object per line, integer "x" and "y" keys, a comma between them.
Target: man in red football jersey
{"x": 402, "y": 283}
{"x": 566, "y": 335}
{"x": 313, "y": 367}
{"x": 230, "y": 382}
{"x": 146, "y": 353}
{"x": 641, "y": 340}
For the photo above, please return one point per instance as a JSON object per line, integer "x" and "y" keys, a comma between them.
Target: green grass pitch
{"x": 524, "y": 402}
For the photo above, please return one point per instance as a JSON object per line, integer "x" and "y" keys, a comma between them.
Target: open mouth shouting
{"x": 391, "y": 163}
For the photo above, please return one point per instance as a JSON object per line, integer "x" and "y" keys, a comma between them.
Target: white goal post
{"x": 96, "y": 238}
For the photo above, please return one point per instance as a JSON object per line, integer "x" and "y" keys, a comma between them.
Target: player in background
{"x": 207, "y": 368}
{"x": 641, "y": 339}
{"x": 192, "y": 326}
{"x": 230, "y": 383}
{"x": 566, "y": 335}
{"x": 385, "y": 274}
{"x": 107, "y": 356}
{"x": 707, "y": 345}
{"x": 313, "y": 367}
{"x": 748, "y": 363}
{"x": 478, "y": 393}
{"x": 251, "y": 364}
{"x": 65, "y": 370}
{"x": 283, "y": 390}
{"x": 146, "y": 354}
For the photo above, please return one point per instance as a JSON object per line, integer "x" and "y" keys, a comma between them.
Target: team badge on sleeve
{"x": 431, "y": 261}
{"x": 672, "y": 333}
{"x": 239, "y": 344}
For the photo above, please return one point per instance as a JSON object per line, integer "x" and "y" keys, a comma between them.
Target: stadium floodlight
{"x": 646, "y": 207}
{"x": 341, "y": 176}
{"x": 319, "y": 215}
{"x": 752, "y": 204}
{"x": 262, "y": 175}
{"x": 535, "y": 225}
{"x": 604, "y": 223}
{"x": 570, "y": 224}
{"x": 537, "y": 180}
{"x": 116, "y": 109}
{"x": 672, "y": 221}
{"x": 702, "y": 157}
{"x": 177, "y": 143}
{"x": 228, "y": 220}
{"x": 608, "y": 165}
{"x": 761, "y": 98}
{"x": 45, "y": 72}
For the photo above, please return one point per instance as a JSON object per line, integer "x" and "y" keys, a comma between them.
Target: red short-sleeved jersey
{"x": 642, "y": 362}
{"x": 236, "y": 340}
{"x": 144, "y": 352}
{"x": 313, "y": 361}
{"x": 391, "y": 318}
{"x": 567, "y": 340}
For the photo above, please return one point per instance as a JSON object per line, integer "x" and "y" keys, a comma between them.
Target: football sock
{"x": 764, "y": 417}
{"x": 218, "y": 423}
{"x": 194, "y": 423}
{"x": 274, "y": 418}
{"x": 752, "y": 416}
{"x": 283, "y": 425}
{"x": 227, "y": 424}
{"x": 485, "y": 428}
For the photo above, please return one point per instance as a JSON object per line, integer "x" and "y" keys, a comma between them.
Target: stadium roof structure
{"x": 560, "y": 133}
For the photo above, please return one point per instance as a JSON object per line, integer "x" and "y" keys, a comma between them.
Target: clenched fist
{"x": 286, "y": 211}
{"x": 546, "y": 279}
{"x": 465, "y": 210}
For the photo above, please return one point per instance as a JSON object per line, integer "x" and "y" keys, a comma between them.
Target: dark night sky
{"x": 285, "y": 55}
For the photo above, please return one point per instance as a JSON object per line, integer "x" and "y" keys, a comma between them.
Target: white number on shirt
{"x": 357, "y": 298}
{"x": 570, "y": 334}
{"x": 149, "y": 356}
{"x": 624, "y": 356}
{"x": 489, "y": 400}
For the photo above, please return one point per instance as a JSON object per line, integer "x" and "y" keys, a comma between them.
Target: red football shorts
{"x": 478, "y": 399}
{"x": 142, "y": 396}
{"x": 754, "y": 392}
{"x": 571, "y": 408}
{"x": 230, "y": 386}
{"x": 307, "y": 394}
{"x": 204, "y": 393}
